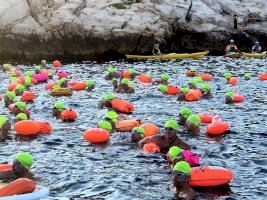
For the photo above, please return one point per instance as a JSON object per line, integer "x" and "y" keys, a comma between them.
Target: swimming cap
{"x": 3, "y": 120}
{"x": 163, "y": 88}
{"x": 112, "y": 69}
{"x": 105, "y": 125}
{"x": 28, "y": 73}
{"x": 198, "y": 79}
{"x": 25, "y": 159}
{"x": 62, "y": 80}
{"x": 228, "y": 75}
{"x": 114, "y": 79}
{"x": 21, "y": 105}
{"x": 112, "y": 115}
{"x": 131, "y": 84}
{"x": 11, "y": 95}
{"x": 194, "y": 119}
{"x": 60, "y": 106}
{"x": 186, "y": 112}
{"x": 110, "y": 96}
{"x": 247, "y": 75}
{"x": 20, "y": 88}
{"x": 125, "y": 81}
{"x": 171, "y": 124}
{"x": 193, "y": 82}
{"x": 89, "y": 83}
{"x": 182, "y": 166}
{"x": 43, "y": 62}
{"x": 13, "y": 78}
{"x": 184, "y": 90}
{"x": 5, "y": 66}
{"x": 139, "y": 130}
{"x": 230, "y": 94}
{"x": 22, "y": 116}
{"x": 28, "y": 80}
{"x": 174, "y": 152}
{"x": 205, "y": 86}
{"x": 37, "y": 67}
{"x": 132, "y": 71}
{"x": 165, "y": 77}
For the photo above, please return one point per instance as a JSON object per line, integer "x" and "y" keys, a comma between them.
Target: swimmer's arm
{"x": 154, "y": 139}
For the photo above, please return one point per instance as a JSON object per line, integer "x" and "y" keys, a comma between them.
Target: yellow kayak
{"x": 233, "y": 55}
{"x": 254, "y": 55}
{"x": 170, "y": 56}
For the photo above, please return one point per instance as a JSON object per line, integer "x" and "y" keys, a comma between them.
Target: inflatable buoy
{"x": 62, "y": 74}
{"x": 193, "y": 95}
{"x": 41, "y": 77}
{"x": 45, "y": 128}
{"x": 61, "y": 92}
{"x": 238, "y": 98}
{"x": 28, "y": 96}
{"x": 12, "y": 86}
{"x": 209, "y": 176}
{"x": 17, "y": 73}
{"x": 19, "y": 186}
{"x": 206, "y": 77}
{"x": 150, "y": 129}
{"x": 96, "y": 135}
{"x": 263, "y": 77}
{"x": 143, "y": 78}
{"x": 73, "y": 81}
{"x": 27, "y": 127}
{"x": 4, "y": 167}
{"x": 233, "y": 80}
{"x": 122, "y": 106}
{"x": 126, "y": 74}
{"x": 151, "y": 148}
{"x": 34, "y": 81}
{"x": 205, "y": 118}
{"x": 217, "y": 128}
{"x": 57, "y": 64}
{"x": 68, "y": 115}
{"x": 50, "y": 86}
{"x": 127, "y": 125}
{"x": 172, "y": 90}
{"x": 79, "y": 86}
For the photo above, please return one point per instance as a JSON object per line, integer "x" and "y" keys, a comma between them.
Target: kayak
{"x": 254, "y": 55}
{"x": 170, "y": 56}
{"x": 38, "y": 193}
{"x": 233, "y": 55}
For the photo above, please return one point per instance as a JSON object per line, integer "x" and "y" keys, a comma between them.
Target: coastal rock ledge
{"x": 92, "y": 29}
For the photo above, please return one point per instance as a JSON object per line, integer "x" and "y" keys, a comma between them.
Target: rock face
{"x": 90, "y": 29}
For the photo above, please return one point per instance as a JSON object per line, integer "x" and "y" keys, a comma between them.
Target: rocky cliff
{"x": 90, "y": 29}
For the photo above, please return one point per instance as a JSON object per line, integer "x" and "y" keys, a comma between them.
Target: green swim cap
{"x": 105, "y": 125}
{"x": 184, "y": 90}
{"x": 38, "y": 67}
{"x": 110, "y": 96}
{"x": 43, "y": 62}
{"x": 131, "y": 84}
{"x": 140, "y": 130}
{"x": 198, "y": 79}
{"x": 60, "y": 106}
{"x": 125, "y": 81}
{"x": 11, "y": 95}
{"x": 28, "y": 73}
{"x": 194, "y": 119}
{"x": 13, "y": 78}
{"x": 112, "y": 69}
{"x": 112, "y": 115}
{"x": 193, "y": 82}
{"x": 5, "y": 66}
{"x": 205, "y": 86}
{"x": 20, "y": 88}
{"x": 3, "y": 120}
{"x": 247, "y": 75}
{"x": 62, "y": 80}
{"x": 89, "y": 83}
{"x": 165, "y": 77}
{"x": 230, "y": 94}
{"x": 28, "y": 80}
{"x": 174, "y": 152}
{"x": 186, "y": 112}
{"x": 228, "y": 75}
{"x": 182, "y": 166}
{"x": 172, "y": 124}
{"x": 163, "y": 88}
{"x": 132, "y": 71}
{"x": 25, "y": 159}
{"x": 22, "y": 116}
{"x": 21, "y": 105}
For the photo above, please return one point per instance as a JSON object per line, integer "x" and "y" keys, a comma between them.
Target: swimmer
{"x": 19, "y": 107}
{"x": 109, "y": 122}
{"x": 19, "y": 89}
{"x": 63, "y": 82}
{"x": 192, "y": 72}
{"x": 43, "y": 63}
{"x": 133, "y": 73}
{"x": 9, "y": 98}
{"x": 247, "y": 76}
{"x": 28, "y": 82}
{"x": 37, "y": 69}
{"x": 111, "y": 73}
{"x": 163, "y": 88}
{"x": 166, "y": 141}
{"x": 90, "y": 85}
{"x": 5, "y": 127}
{"x": 228, "y": 75}
{"x": 20, "y": 168}
{"x": 192, "y": 124}
{"x": 106, "y": 102}
{"x": 193, "y": 84}
{"x": 183, "y": 115}
{"x": 229, "y": 98}
{"x": 58, "y": 108}
{"x": 115, "y": 85}
{"x": 206, "y": 90}
{"x": 138, "y": 133}
{"x": 184, "y": 91}
{"x": 5, "y": 67}
{"x": 181, "y": 177}
{"x": 125, "y": 86}
{"x": 21, "y": 116}
{"x": 164, "y": 79}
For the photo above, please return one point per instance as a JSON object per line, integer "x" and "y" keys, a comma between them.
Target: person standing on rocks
{"x": 156, "y": 50}
{"x": 235, "y": 21}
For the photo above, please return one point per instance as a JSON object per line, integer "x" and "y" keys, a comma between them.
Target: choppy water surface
{"x": 73, "y": 168}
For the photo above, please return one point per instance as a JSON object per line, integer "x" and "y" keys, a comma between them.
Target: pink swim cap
{"x": 191, "y": 158}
